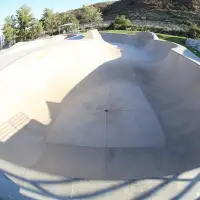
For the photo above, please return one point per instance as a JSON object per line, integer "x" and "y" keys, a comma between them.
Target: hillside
{"x": 155, "y": 10}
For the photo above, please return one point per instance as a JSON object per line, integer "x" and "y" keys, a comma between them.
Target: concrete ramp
{"x": 158, "y": 49}
{"x": 93, "y": 34}
{"x": 139, "y": 39}
{"x": 121, "y": 109}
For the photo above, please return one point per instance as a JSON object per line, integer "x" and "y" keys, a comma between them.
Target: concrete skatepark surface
{"x": 115, "y": 107}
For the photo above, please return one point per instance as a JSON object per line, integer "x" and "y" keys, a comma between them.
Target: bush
{"x": 161, "y": 30}
{"x": 121, "y": 23}
{"x": 194, "y": 32}
{"x": 111, "y": 26}
{"x": 121, "y": 20}
{"x": 186, "y": 22}
{"x": 169, "y": 31}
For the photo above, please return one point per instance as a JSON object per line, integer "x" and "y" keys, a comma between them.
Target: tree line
{"x": 24, "y": 26}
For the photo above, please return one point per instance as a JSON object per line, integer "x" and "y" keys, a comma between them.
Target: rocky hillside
{"x": 175, "y": 11}
{"x": 186, "y": 5}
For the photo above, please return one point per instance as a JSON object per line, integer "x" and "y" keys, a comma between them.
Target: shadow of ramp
{"x": 22, "y": 140}
{"x": 75, "y": 37}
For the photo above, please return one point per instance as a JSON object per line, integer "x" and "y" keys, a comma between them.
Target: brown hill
{"x": 175, "y": 11}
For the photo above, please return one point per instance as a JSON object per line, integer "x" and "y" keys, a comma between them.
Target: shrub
{"x": 194, "y": 32}
{"x": 169, "y": 31}
{"x": 111, "y": 26}
{"x": 161, "y": 30}
{"x": 121, "y": 23}
{"x": 187, "y": 22}
{"x": 121, "y": 20}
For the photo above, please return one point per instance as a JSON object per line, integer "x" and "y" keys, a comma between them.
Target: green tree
{"x": 9, "y": 29}
{"x": 57, "y": 21}
{"x": 65, "y": 18}
{"x": 194, "y": 32}
{"x": 70, "y": 18}
{"x": 24, "y": 18}
{"x": 36, "y": 29}
{"x": 49, "y": 20}
{"x": 91, "y": 15}
{"x": 121, "y": 23}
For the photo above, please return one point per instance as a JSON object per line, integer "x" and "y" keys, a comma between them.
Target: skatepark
{"x": 104, "y": 107}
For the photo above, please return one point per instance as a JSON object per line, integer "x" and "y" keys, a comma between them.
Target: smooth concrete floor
{"x": 109, "y": 115}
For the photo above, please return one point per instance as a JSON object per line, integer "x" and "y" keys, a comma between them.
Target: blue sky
{"x": 8, "y": 7}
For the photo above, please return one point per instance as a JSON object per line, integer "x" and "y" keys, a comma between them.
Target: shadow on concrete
{"x": 179, "y": 155}
{"x": 41, "y": 184}
{"x": 39, "y": 187}
{"x": 75, "y": 37}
